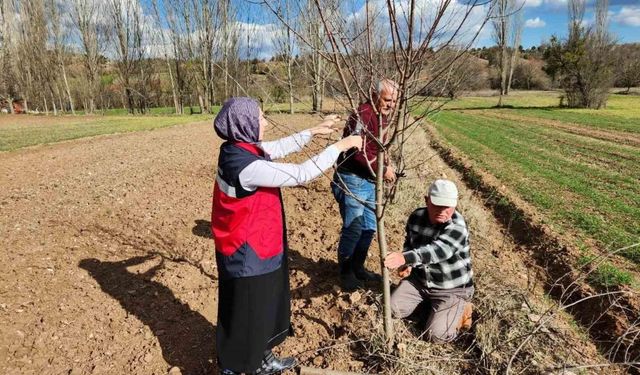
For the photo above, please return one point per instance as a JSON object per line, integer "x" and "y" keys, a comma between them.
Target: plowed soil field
{"x": 107, "y": 267}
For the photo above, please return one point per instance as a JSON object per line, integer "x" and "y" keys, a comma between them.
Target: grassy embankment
{"x": 579, "y": 168}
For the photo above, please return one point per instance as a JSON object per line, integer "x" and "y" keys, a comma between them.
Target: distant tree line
{"x": 93, "y": 55}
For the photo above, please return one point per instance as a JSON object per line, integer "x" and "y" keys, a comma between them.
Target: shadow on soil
{"x": 202, "y": 229}
{"x": 186, "y": 337}
{"x": 323, "y": 273}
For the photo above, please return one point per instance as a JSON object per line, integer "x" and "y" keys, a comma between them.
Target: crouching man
{"x": 436, "y": 264}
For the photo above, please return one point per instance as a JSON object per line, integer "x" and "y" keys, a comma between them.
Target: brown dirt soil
{"x": 108, "y": 268}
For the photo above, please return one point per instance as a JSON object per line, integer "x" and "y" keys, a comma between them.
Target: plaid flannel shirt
{"x": 439, "y": 254}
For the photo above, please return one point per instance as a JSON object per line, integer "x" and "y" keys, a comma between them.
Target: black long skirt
{"x": 253, "y": 316}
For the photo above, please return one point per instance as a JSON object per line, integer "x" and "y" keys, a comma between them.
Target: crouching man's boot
{"x": 348, "y": 280}
{"x": 274, "y": 365}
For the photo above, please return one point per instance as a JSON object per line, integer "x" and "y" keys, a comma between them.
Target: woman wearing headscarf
{"x": 248, "y": 227}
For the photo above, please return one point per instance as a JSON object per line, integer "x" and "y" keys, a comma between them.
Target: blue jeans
{"x": 358, "y": 219}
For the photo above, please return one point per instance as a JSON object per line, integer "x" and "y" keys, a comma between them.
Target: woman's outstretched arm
{"x": 294, "y": 143}
{"x": 287, "y": 145}
{"x": 262, "y": 173}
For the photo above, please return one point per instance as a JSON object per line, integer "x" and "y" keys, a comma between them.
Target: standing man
{"x": 353, "y": 186}
{"x": 437, "y": 261}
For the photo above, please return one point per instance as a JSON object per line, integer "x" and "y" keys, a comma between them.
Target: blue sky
{"x": 542, "y": 18}
{"x": 547, "y": 17}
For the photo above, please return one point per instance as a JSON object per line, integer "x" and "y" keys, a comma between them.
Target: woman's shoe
{"x": 274, "y": 365}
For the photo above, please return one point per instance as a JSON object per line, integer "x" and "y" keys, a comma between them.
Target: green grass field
{"x": 580, "y": 168}
{"x": 157, "y": 111}
{"x": 22, "y": 131}
{"x": 26, "y": 130}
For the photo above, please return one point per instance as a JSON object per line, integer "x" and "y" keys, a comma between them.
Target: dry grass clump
{"x": 511, "y": 334}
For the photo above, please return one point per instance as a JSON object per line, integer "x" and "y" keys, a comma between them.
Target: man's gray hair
{"x": 385, "y": 83}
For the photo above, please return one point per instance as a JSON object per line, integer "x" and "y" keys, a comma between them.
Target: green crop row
{"x": 582, "y": 185}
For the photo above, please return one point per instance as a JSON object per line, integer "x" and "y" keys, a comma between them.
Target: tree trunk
{"x": 174, "y": 93}
{"x": 60, "y": 99}
{"x": 290, "y": 82}
{"x": 129, "y": 98}
{"x": 382, "y": 241}
{"x": 68, "y": 90}
{"x": 511, "y": 67}
{"x": 53, "y": 103}
{"x": 46, "y": 106}
{"x": 316, "y": 77}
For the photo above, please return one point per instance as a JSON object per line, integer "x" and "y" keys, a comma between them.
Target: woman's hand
{"x": 326, "y": 126}
{"x": 352, "y": 141}
{"x": 394, "y": 260}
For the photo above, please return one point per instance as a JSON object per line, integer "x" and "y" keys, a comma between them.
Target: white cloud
{"x": 532, "y": 3}
{"x": 628, "y": 16}
{"x": 425, "y": 15}
{"x": 556, "y": 4}
{"x": 258, "y": 40}
{"x": 535, "y": 23}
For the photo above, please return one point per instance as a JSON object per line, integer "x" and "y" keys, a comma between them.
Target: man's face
{"x": 387, "y": 100}
{"x": 438, "y": 214}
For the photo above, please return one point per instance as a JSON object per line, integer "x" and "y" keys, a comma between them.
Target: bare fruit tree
{"x": 414, "y": 43}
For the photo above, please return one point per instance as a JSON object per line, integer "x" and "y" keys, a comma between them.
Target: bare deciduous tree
{"x": 313, "y": 32}
{"x": 507, "y": 28}
{"x": 87, "y": 16}
{"x": 8, "y": 63}
{"x": 628, "y": 66}
{"x": 285, "y": 43}
{"x": 585, "y": 60}
{"x": 413, "y": 34}
{"x": 59, "y": 38}
{"x": 515, "y": 37}
{"x": 128, "y": 32}
{"x": 202, "y": 21}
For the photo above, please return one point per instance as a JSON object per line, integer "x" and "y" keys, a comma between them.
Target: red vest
{"x": 247, "y": 226}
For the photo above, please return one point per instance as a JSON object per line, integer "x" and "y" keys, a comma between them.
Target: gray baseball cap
{"x": 443, "y": 193}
